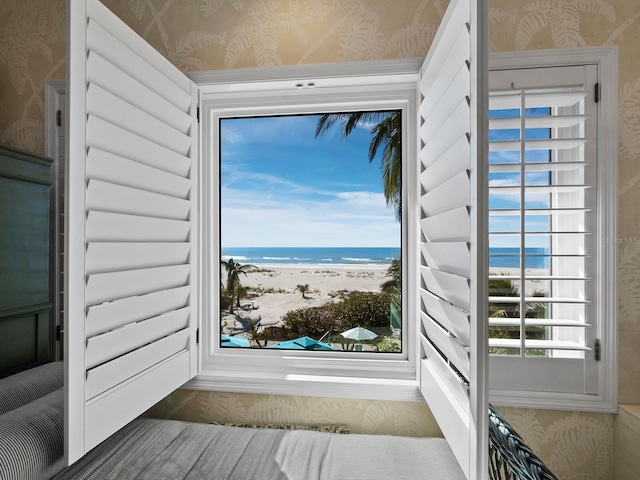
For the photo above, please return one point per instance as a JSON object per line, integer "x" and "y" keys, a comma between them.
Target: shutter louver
{"x": 541, "y": 222}
{"x": 452, "y": 366}
{"x": 559, "y": 194}
{"x": 132, "y": 260}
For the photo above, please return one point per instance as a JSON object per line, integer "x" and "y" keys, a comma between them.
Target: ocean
{"x": 498, "y": 257}
{"x": 509, "y": 257}
{"x": 312, "y": 255}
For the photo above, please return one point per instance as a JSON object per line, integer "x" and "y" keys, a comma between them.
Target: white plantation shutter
{"x": 543, "y": 230}
{"x": 453, "y": 233}
{"x": 131, "y": 261}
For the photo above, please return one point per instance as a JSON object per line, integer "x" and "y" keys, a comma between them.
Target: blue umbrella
{"x": 302, "y": 343}
{"x": 229, "y": 341}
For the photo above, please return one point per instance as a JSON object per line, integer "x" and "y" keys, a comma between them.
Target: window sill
{"x": 311, "y": 385}
{"x": 553, "y": 401}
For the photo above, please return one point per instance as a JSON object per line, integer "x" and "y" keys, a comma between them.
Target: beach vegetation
{"x": 389, "y": 345}
{"x": 394, "y": 284}
{"x": 328, "y": 273}
{"x": 234, "y": 270}
{"x": 504, "y": 287}
{"x": 364, "y": 309}
{"x": 257, "y": 335}
{"x": 264, "y": 270}
{"x": 258, "y": 290}
{"x": 303, "y": 289}
{"x": 241, "y": 292}
{"x": 360, "y": 274}
{"x": 225, "y": 298}
{"x": 310, "y": 322}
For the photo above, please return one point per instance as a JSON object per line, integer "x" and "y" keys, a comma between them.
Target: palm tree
{"x": 234, "y": 270}
{"x": 304, "y": 288}
{"x": 499, "y": 287}
{"x": 394, "y": 284}
{"x": 386, "y": 133}
{"x": 393, "y": 287}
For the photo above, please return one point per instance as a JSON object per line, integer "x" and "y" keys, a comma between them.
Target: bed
{"x": 31, "y": 447}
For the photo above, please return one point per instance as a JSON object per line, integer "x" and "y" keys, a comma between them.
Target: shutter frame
{"x": 131, "y": 322}
{"x": 453, "y": 295}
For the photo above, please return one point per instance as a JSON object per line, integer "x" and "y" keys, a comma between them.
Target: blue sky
{"x": 506, "y": 223}
{"x": 280, "y": 186}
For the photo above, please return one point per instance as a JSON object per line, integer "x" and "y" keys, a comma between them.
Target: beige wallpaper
{"x": 32, "y": 36}
{"x": 411, "y": 419}
{"x": 217, "y": 34}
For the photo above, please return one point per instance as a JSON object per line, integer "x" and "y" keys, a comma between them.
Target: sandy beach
{"x": 272, "y": 291}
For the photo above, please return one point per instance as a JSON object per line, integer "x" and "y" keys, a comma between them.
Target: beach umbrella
{"x": 229, "y": 341}
{"x": 302, "y": 343}
{"x": 359, "y": 333}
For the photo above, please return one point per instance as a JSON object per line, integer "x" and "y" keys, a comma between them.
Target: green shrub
{"x": 389, "y": 345}
{"x": 364, "y": 309}
{"x": 311, "y": 322}
{"x": 225, "y": 300}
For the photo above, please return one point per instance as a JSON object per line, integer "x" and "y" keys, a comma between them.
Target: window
{"x": 551, "y": 304}
{"x": 310, "y": 232}
{"x": 252, "y": 107}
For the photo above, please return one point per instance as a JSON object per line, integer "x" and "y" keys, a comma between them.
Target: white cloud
{"x": 348, "y": 219}
{"x": 363, "y": 199}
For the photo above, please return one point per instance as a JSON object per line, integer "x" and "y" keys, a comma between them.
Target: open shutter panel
{"x": 131, "y": 311}
{"x": 453, "y": 233}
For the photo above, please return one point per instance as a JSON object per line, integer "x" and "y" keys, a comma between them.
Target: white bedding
{"x": 31, "y": 447}
{"x": 173, "y": 450}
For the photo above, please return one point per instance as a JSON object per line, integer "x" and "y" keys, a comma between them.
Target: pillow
{"x": 32, "y": 439}
{"x": 24, "y": 387}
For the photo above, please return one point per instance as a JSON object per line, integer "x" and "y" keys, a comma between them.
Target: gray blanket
{"x": 165, "y": 449}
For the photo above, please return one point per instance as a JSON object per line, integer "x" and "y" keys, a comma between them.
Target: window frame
{"x": 605, "y": 398}
{"x": 243, "y": 83}
{"x": 386, "y": 85}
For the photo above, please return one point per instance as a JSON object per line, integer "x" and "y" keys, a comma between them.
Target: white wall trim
{"x": 375, "y": 376}
{"x": 605, "y": 56}
{"x": 302, "y": 72}
{"x": 362, "y": 388}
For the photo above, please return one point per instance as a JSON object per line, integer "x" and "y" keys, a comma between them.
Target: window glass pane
{"x": 550, "y": 265}
{"x": 508, "y": 179}
{"x": 310, "y": 233}
{"x": 504, "y": 223}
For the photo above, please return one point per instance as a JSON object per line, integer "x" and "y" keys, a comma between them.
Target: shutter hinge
{"x": 198, "y": 336}
{"x": 198, "y": 114}
{"x": 59, "y": 117}
{"x": 596, "y": 350}
{"x": 59, "y": 331}
{"x": 596, "y": 92}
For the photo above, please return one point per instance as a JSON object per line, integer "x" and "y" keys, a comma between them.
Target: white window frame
{"x": 387, "y": 85}
{"x": 605, "y": 397}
